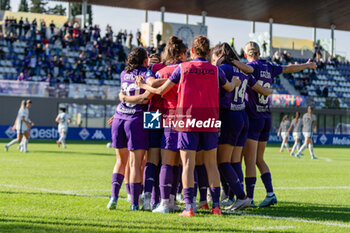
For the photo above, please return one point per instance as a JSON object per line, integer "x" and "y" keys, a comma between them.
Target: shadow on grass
{"x": 39, "y": 224}
{"x": 305, "y": 211}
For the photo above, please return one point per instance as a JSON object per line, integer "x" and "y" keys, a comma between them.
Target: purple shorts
{"x": 197, "y": 141}
{"x": 129, "y": 134}
{"x": 169, "y": 140}
{"x": 234, "y": 127}
{"x": 155, "y": 137}
{"x": 259, "y": 129}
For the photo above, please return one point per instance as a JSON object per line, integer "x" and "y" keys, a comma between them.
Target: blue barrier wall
{"x": 102, "y": 134}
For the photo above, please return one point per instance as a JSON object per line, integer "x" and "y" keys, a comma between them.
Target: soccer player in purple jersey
{"x": 234, "y": 128}
{"x": 258, "y": 110}
{"x": 128, "y": 135}
{"x": 174, "y": 54}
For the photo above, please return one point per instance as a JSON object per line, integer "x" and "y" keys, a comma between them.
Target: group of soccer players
{"x": 306, "y": 125}
{"x": 227, "y": 105}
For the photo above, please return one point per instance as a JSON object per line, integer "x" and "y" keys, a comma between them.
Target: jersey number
{"x": 127, "y": 88}
{"x": 263, "y": 99}
{"x": 240, "y": 91}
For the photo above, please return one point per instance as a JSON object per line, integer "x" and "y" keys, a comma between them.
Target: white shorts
{"x": 297, "y": 135}
{"x": 307, "y": 134}
{"x": 284, "y": 134}
{"x": 62, "y": 129}
{"x": 21, "y": 130}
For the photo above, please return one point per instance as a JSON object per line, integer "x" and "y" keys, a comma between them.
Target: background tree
{"x": 38, "y": 6}
{"x": 5, "y": 5}
{"x": 57, "y": 10}
{"x": 23, "y": 6}
{"x": 76, "y": 10}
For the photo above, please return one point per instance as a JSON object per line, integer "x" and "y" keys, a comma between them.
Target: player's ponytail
{"x": 173, "y": 50}
{"x": 200, "y": 46}
{"x": 23, "y": 105}
{"x": 135, "y": 59}
{"x": 251, "y": 49}
{"x": 226, "y": 51}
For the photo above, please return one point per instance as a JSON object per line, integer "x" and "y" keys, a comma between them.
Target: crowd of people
{"x": 47, "y": 49}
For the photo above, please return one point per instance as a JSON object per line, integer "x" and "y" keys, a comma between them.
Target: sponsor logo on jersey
{"x": 152, "y": 120}
{"x": 10, "y": 132}
{"x": 84, "y": 134}
{"x": 98, "y": 135}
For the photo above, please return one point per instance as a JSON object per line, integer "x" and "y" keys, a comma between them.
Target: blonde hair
{"x": 252, "y": 49}
{"x": 23, "y": 105}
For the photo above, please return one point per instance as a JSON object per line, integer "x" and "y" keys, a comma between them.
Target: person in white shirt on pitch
{"x": 63, "y": 119}
{"x": 296, "y": 126}
{"x": 283, "y": 132}
{"x": 22, "y": 125}
{"x": 309, "y": 126}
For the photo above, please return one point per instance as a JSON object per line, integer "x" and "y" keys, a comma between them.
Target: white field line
{"x": 327, "y": 223}
{"x": 306, "y": 188}
{"x": 272, "y": 228}
{"x": 69, "y": 192}
{"x": 327, "y": 159}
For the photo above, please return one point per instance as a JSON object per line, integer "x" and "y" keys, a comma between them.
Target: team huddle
{"x": 210, "y": 85}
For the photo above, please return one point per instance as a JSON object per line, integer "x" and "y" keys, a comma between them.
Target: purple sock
{"x": 188, "y": 197}
{"x": 149, "y": 176}
{"x": 176, "y": 179}
{"x": 195, "y": 189}
{"x": 224, "y": 184}
{"x": 117, "y": 181}
{"x": 250, "y": 185}
{"x": 179, "y": 188}
{"x": 238, "y": 169}
{"x": 127, "y": 187}
{"x": 266, "y": 179}
{"x": 215, "y": 194}
{"x": 165, "y": 181}
{"x": 135, "y": 189}
{"x": 231, "y": 194}
{"x": 155, "y": 190}
{"x": 232, "y": 179}
{"x": 203, "y": 183}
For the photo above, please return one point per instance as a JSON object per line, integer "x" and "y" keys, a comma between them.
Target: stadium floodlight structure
{"x": 311, "y": 13}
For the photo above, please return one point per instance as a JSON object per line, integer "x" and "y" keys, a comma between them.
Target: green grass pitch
{"x": 56, "y": 190}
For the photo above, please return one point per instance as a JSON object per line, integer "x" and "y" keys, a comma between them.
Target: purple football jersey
{"x": 125, "y": 110}
{"x": 234, "y": 100}
{"x": 257, "y": 105}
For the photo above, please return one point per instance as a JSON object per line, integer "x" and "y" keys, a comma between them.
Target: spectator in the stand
{"x": 43, "y": 29}
{"x": 26, "y": 27}
{"x": 159, "y": 38}
{"x": 264, "y": 47}
{"x": 318, "y": 91}
{"x": 34, "y": 26}
{"x": 325, "y": 91}
{"x": 20, "y": 27}
{"x": 131, "y": 36}
{"x": 22, "y": 77}
{"x": 277, "y": 57}
{"x": 317, "y": 51}
{"x": 125, "y": 35}
{"x": 138, "y": 38}
{"x": 52, "y": 28}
